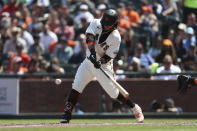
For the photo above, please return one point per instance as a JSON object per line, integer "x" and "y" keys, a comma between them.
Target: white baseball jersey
{"x": 86, "y": 72}
{"x": 110, "y": 46}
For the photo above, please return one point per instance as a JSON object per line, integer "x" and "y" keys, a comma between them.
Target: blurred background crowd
{"x": 48, "y": 36}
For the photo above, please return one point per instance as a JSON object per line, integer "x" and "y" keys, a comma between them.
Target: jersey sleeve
{"x": 113, "y": 49}
{"x": 91, "y": 28}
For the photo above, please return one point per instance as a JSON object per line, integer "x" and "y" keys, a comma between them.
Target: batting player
{"x": 103, "y": 40}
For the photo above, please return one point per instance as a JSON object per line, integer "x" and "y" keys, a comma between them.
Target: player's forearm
{"x": 90, "y": 41}
{"x": 91, "y": 47}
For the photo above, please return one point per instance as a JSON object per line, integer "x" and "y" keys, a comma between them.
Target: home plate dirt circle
{"x": 93, "y": 124}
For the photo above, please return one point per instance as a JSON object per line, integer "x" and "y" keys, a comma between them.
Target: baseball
{"x": 58, "y": 81}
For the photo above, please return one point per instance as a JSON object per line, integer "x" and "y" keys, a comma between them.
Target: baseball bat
{"x": 117, "y": 85}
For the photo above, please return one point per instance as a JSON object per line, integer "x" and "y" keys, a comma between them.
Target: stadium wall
{"x": 44, "y": 96}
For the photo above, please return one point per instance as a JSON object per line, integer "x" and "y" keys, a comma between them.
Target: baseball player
{"x": 103, "y": 40}
{"x": 185, "y": 82}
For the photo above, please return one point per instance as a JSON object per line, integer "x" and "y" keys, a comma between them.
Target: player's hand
{"x": 183, "y": 84}
{"x": 97, "y": 64}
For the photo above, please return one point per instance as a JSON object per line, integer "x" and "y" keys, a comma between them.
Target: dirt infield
{"x": 93, "y": 124}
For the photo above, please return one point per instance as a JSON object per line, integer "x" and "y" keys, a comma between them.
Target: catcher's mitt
{"x": 183, "y": 84}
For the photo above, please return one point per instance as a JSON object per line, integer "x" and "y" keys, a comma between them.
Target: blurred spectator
{"x": 189, "y": 59}
{"x": 101, "y": 8}
{"x": 24, "y": 16}
{"x": 46, "y": 37}
{"x": 1, "y": 4}
{"x": 36, "y": 47}
{"x": 54, "y": 67}
{"x": 17, "y": 67}
{"x": 124, "y": 22}
{"x": 134, "y": 65}
{"x": 155, "y": 49}
{"x": 189, "y": 6}
{"x": 170, "y": 10}
{"x": 81, "y": 29}
{"x": 167, "y": 67}
{"x": 10, "y": 7}
{"x": 167, "y": 48}
{"x": 190, "y": 39}
{"x": 34, "y": 66}
{"x": 127, "y": 34}
{"x": 1, "y": 44}
{"x": 170, "y": 34}
{"x": 25, "y": 57}
{"x": 53, "y": 21}
{"x": 10, "y": 44}
{"x": 145, "y": 59}
{"x": 1, "y": 66}
{"x": 167, "y": 106}
{"x": 69, "y": 32}
{"x": 191, "y": 22}
{"x": 26, "y": 36}
{"x": 79, "y": 50}
{"x": 5, "y": 23}
{"x": 169, "y": 16}
{"x": 170, "y": 106}
{"x": 63, "y": 51}
{"x": 65, "y": 14}
{"x": 44, "y": 3}
{"x": 131, "y": 14}
{"x": 180, "y": 50}
{"x": 156, "y": 6}
{"x": 156, "y": 106}
{"x": 149, "y": 23}
{"x": 116, "y": 106}
{"x": 35, "y": 26}
{"x": 83, "y": 13}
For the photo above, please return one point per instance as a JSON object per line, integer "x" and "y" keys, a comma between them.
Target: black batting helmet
{"x": 110, "y": 17}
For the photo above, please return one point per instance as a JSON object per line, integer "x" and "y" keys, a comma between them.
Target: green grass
{"x": 132, "y": 127}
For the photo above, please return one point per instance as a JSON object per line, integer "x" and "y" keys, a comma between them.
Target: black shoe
{"x": 66, "y": 117}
